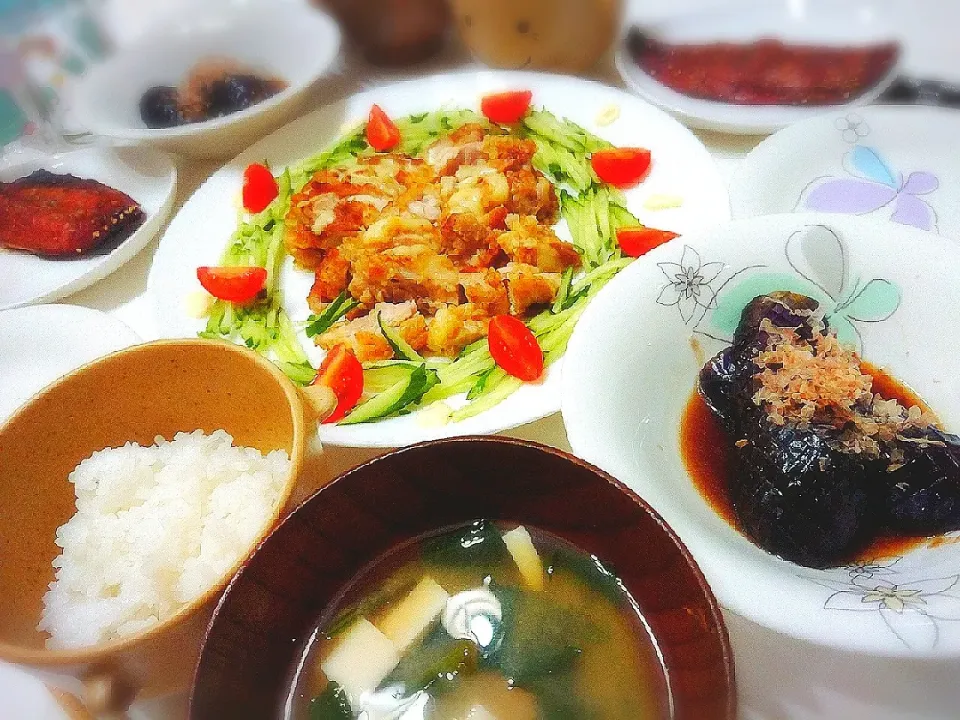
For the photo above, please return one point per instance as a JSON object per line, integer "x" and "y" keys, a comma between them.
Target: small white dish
{"x": 149, "y": 177}
{"x": 288, "y": 39}
{"x": 200, "y": 232}
{"x": 810, "y": 22}
{"x": 42, "y": 343}
{"x": 632, "y": 364}
{"x": 892, "y": 163}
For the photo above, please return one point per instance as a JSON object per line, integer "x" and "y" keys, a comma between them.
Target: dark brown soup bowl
{"x": 272, "y": 605}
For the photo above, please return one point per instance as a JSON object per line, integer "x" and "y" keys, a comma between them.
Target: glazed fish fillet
{"x": 62, "y": 215}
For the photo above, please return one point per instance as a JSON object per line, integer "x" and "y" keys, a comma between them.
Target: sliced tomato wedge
{"x": 637, "y": 241}
{"x": 621, "y": 167}
{"x": 514, "y": 348}
{"x": 233, "y": 284}
{"x": 506, "y": 108}
{"x": 382, "y": 132}
{"x": 341, "y": 372}
{"x": 259, "y": 188}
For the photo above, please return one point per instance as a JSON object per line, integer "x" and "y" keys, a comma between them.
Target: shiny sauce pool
{"x": 707, "y": 456}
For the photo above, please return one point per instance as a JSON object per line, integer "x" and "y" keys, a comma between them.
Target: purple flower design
{"x": 688, "y": 285}
{"x": 873, "y": 186}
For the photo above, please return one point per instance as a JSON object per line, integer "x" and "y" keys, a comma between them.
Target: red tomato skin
{"x": 382, "y": 132}
{"x": 637, "y": 241}
{"x": 621, "y": 167}
{"x": 341, "y": 372}
{"x": 515, "y": 348}
{"x": 506, "y": 108}
{"x": 259, "y": 188}
{"x": 233, "y": 284}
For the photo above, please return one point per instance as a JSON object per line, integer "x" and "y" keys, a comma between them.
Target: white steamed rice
{"x": 155, "y": 528}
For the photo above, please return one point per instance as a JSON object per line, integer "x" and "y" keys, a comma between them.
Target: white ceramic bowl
{"x": 893, "y": 163}
{"x": 632, "y": 364}
{"x": 285, "y": 38}
{"x": 808, "y": 22}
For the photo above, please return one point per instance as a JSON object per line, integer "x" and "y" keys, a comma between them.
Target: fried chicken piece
{"x": 531, "y": 243}
{"x": 365, "y": 338}
{"x": 507, "y": 153}
{"x": 531, "y": 193}
{"x": 454, "y": 327}
{"x": 62, "y": 215}
{"x": 487, "y": 291}
{"x": 340, "y": 203}
{"x": 398, "y": 259}
{"x": 331, "y": 278}
{"x": 471, "y": 241}
{"x": 527, "y": 286}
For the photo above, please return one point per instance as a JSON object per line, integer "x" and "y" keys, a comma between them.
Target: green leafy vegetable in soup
{"x": 482, "y": 622}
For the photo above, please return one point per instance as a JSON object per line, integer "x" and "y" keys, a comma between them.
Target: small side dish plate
{"x": 42, "y": 343}
{"x": 632, "y": 366}
{"x": 891, "y": 163}
{"x": 803, "y": 22}
{"x": 200, "y": 232}
{"x": 290, "y": 40}
{"x": 147, "y": 176}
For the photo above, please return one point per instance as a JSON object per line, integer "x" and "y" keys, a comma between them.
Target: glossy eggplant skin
{"x": 793, "y": 492}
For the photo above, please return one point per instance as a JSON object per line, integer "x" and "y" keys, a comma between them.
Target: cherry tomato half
{"x": 259, "y": 188}
{"x": 514, "y": 348}
{"x": 341, "y": 372}
{"x": 233, "y": 284}
{"x": 621, "y": 167}
{"x": 506, "y": 108}
{"x": 637, "y": 241}
{"x": 382, "y": 132}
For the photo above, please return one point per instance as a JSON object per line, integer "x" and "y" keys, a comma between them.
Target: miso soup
{"x": 485, "y": 621}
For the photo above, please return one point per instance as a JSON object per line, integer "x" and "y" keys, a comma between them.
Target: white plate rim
{"x": 728, "y": 117}
{"x": 127, "y": 249}
{"x": 383, "y": 433}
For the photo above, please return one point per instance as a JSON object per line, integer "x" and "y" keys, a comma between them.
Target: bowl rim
{"x": 882, "y": 234}
{"x": 155, "y": 40}
{"x": 91, "y": 654}
{"x": 492, "y": 441}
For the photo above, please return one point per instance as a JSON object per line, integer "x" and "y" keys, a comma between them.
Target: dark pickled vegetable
{"x": 798, "y": 491}
{"x": 160, "y": 108}
{"x": 237, "y": 92}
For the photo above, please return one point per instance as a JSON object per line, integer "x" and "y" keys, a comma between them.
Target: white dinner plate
{"x": 199, "y": 234}
{"x": 892, "y": 163}
{"x": 42, "y": 343}
{"x": 810, "y": 22}
{"x": 632, "y": 366}
{"x": 147, "y": 176}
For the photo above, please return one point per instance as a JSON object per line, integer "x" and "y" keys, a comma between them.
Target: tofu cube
{"x": 360, "y": 662}
{"x": 409, "y": 620}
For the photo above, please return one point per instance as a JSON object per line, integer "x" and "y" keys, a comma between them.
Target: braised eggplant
{"x": 821, "y": 464}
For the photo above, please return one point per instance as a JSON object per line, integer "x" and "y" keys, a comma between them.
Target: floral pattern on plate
{"x": 872, "y": 184}
{"x": 710, "y": 295}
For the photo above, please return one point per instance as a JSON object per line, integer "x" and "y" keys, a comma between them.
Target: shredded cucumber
{"x": 593, "y": 212}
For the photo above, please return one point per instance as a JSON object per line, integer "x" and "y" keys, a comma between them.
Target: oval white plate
{"x": 199, "y": 233}
{"x": 41, "y": 343}
{"x": 286, "y": 38}
{"x": 892, "y": 163}
{"x": 815, "y": 22}
{"x": 632, "y": 365}
{"x": 146, "y": 175}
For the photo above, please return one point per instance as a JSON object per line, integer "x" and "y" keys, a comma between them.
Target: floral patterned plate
{"x": 631, "y": 368}
{"x": 894, "y": 163}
